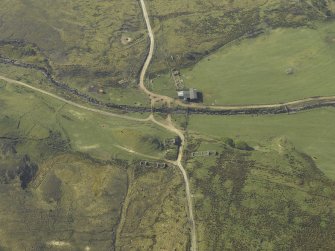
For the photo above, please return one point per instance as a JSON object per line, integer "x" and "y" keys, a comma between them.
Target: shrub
{"x": 241, "y": 145}
{"x": 230, "y": 142}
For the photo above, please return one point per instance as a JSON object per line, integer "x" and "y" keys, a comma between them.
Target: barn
{"x": 189, "y": 95}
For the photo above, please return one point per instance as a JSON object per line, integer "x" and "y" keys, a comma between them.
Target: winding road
{"x": 168, "y": 125}
{"x": 153, "y": 96}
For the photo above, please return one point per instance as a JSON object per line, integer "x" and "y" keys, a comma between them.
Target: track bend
{"x": 168, "y": 125}
{"x": 110, "y": 114}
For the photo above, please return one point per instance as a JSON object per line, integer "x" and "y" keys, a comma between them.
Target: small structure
{"x": 161, "y": 165}
{"x": 172, "y": 141}
{"x": 144, "y": 163}
{"x": 175, "y": 72}
{"x": 190, "y": 95}
{"x": 204, "y": 153}
{"x": 97, "y": 89}
{"x": 122, "y": 82}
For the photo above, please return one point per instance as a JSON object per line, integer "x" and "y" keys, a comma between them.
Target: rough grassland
{"x": 77, "y": 203}
{"x": 100, "y": 46}
{"x": 310, "y": 132}
{"x": 154, "y": 215}
{"x": 86, "y": 43}
{"x": 130, "y": 96}
{"x": 63, "y": 181}
{"x": 260, "y": 200}
{"x": 186, "y": 31}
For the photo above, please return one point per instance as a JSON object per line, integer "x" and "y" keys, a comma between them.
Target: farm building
{"x": 190, "y": 95}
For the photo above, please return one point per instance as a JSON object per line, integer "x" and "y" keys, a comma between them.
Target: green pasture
{"x": 254, "y": 71}
{"x": 281, "y": 65}
{"x": 311, "y": 132}
{"x": 187, "y": 31}
{"x": 34, "y": 116}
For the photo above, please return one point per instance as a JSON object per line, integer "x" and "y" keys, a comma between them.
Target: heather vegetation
{"x": 90, "y": 161}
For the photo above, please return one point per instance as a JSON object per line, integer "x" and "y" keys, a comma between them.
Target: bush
{"x": 241, "y": 145}
{"x": 27, "y": 171}
{"x": 230, "y": 142}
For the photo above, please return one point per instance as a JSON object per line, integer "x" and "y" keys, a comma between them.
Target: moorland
{"x": 77, "y": 174}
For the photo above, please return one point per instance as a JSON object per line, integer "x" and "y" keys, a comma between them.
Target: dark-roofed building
{"x": 190, "y": 95}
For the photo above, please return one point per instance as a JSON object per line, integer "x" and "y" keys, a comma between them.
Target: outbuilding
{"x": 190, "y": 95}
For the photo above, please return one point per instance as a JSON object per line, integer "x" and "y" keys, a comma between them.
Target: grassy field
{"x": 88, "y": 132}
{"x": 283, "y": 65}
{"x": 260, "y": 200}
{"x": 310, "y": 132}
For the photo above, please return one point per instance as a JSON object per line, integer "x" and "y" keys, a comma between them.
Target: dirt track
{"x": 153, "y": 96}
{"x": 110, "y": 114}
{"x": 168, "y": 125}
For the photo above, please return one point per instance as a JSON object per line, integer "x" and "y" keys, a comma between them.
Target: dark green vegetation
{"x": 94, "y": 46}
{"x": 276, "y": 199}
{"x": 72, "y": 202}
{"x": 64, "y": 179}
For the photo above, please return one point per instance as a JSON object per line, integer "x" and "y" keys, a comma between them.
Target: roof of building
{"x": 191, "y": 94}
